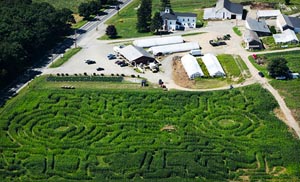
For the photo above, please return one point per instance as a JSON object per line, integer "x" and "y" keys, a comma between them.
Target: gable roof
{"x": 232, "y": 7}
{"x": 169, "y": 16}
{"x": 149, "y": 42}
{"x": 257, "y": 26}
{"x": 250, "y": 36}
{"x": 132, "y": 53}
{"x": 286, "y": 36}
{"x": 267, "y": 13}
{"x": 186, "y": 14}
{"x": 288, "y": 20}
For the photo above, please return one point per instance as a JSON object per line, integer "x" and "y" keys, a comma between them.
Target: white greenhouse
{"x": 191, "y": 66}
{"x": 213, "y": 65}
{"x": 158, "y": 41}
{"x": 287, "y": 36}
{"x": 169, "y": 49}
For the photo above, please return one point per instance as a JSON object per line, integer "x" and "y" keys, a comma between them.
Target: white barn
{"x": 158, "y": 41}
{"x": 267, "y": 14}
{"x": 287, "y": 36}
{"x": 168, "y": 49}
{"x": 213, "y": 65}
{"x": 191, "y": 66}
{"x": 224, "y": 10}
{"x": 287, "y": 22}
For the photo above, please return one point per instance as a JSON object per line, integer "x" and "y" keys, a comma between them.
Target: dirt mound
{"x": 179, "y": 75}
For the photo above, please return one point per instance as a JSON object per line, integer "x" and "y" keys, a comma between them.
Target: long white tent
{"x": 213, "y": 65}
{"x": 191, "y": 66}
{"x": 168, "y": 49}
{"x": 158, "y": 41}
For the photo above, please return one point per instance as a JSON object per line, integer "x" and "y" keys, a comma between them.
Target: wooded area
{"x": 27, "y": 31}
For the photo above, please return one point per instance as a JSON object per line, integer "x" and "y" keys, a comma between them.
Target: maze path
{"x": 117, "y": 135}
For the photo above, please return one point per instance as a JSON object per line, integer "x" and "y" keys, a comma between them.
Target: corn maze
{"x": 111, "y": 135}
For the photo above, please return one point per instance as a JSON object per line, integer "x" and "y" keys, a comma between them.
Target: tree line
{"x": 27, "y": 31}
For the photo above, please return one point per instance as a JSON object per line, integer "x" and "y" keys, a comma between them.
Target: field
{"x": 48, "y": 133}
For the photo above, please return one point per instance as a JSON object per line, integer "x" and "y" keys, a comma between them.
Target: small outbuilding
{"x": 213, "y": 65}
{"x": 136, "y": 55}
{"x": 260, "y": 27}
{"x": 287, "y": 36}
{"x": 168, "y": 49}
{"x": 158, "y": 41}
{"x": 224, "y": 10}
{"x": 252, "y": 40}
{"x": 191, "y": 66}
{"x": 267, "y": 14}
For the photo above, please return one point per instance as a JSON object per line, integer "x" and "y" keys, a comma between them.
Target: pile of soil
{"x": 261, "y": 6}
{"x": 180, "y": 77}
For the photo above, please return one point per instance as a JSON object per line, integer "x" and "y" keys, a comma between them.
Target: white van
{"x": 195, "y": 52}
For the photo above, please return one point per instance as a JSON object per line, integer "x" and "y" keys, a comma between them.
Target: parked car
{"x": 88, "y": 61}
{"x": 100, "y": 69}
{"x": 123, "y": 64}
{"x": 215, "y": 43}
{"x": 227, "y": 37}
{"x": 111, "y": 56}
{"x": 261, "y": 74}
{"x": 118, "y": 61}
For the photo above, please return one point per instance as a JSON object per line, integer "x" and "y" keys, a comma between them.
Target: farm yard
{"x": 48, "y": 133}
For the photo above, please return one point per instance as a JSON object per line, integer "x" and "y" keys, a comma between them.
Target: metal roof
{"x": 165, "y": 49}
{"x": 257, "y": 26}
{"x": 250, "y": 35}
{"x": 213, "y": 65}
{"x": 191, "y": 66}
{"x": 232, "y": 7}
{"x": 158, "y": 41}
{"x": 186, "y": 14}
{"x": 287, "y": 35}
{"x": 267, "y": 13}
{"x": 132, "y": 53}
{"x": 288, "y": 20}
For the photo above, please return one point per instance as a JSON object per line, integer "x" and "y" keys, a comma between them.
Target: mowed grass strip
{"x": 60, "y": 61}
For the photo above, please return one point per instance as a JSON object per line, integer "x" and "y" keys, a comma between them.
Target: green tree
{"x": 144, "y": 16}
{"x": 164, "y": 4}
{"x": 111, "y": 31}
{"x": 287, "y": 2}
{"x": 278, "y": 67}
{"x": 156, "y": 23}
{"x": 89, "y": 8}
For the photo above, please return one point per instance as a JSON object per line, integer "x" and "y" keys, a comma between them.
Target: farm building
{"x": 168, "y": 49}
{"x": 158, "y": 41}
{"x": 191, "y": 66}
{"x": 177, "y": 21}
{"x": 267, "y": 14}
{"x": 252, "y": 40}
{"x": 287, "y": 36}
{"x": 224, "y": 10}
{"x": 260, "y": 27}
{"x": 136, "y": 55}
{"x": 287, "y": 22}
{"x": 213, "y": 65}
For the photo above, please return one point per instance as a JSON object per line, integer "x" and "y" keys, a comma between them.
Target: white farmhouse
{"x": 224, "y": 10}
{"x": 177, "y": 21}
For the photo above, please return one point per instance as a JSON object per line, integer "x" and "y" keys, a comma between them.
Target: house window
{"x": 188, "y": 19}
{"x": 170, "y": 23}
{"x": 193, "y": 20}
{"x": 183, "y": 19}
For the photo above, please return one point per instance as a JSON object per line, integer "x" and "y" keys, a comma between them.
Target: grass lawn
{"x": 237, "y": 31}
{"x": 270, "y": 44}
{"x": 92, "y": 133}
{"x": 289, "y": 89}
{"x": 125, "y": 21}
{"x": 234, "y": 67}
{"x": 65, "y": 58}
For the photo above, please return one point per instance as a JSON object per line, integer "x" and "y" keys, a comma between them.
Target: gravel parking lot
{"x": 98, "y": 50}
